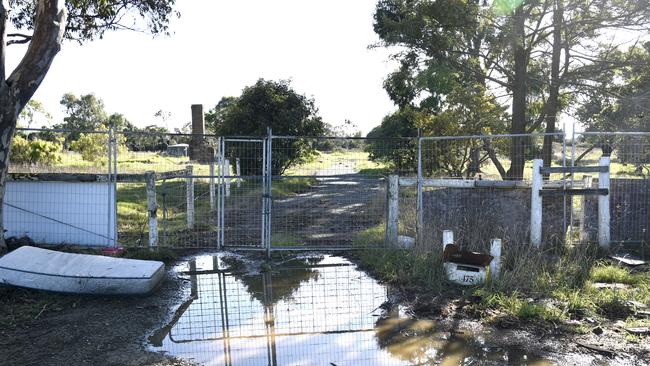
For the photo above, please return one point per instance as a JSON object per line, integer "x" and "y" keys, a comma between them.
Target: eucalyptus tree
{"x": 43, "y": 25}
{"x": 536, "y": 58}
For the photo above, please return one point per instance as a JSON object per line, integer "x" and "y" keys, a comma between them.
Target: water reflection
{"x": 320, "y": 311}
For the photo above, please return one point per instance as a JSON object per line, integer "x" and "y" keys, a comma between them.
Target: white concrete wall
{"x": 60, "y": 212}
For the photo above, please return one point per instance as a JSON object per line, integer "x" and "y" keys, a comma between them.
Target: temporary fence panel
{"x": 331, "y": 192}
{"x": 629, "y": 187}
{"x": 479, "y": 187}
{"x": 61, "y": 188}
{"x": 241, "y": 196}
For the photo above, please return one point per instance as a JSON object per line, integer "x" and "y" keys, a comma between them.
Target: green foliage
{"x": 33, "y": 113}
{"x": 397, "y": 155}
{"x": 94, "y": 146}
{"x": 35, "y": 151}
{"x": 271, "y": 104}
{"x": 90, "y": 19}
{"x": 149, "y": 138}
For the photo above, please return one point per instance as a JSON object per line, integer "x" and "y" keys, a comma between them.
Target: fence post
{"x": 495, "y": 265}
{"x": 586, "y": 182}
{"x": 152, "y": 207}
{"x": 238, "y": 172}
{"x": 227, "y": 172}
{"x": 419, "y": 215}
{"x": 603, "y": 205}
{"x": 212, "y": 189}
{"x": 189, "y": 171}
{"x": 447, "y": 238}
{"x": 392, "y": 220}
{"x": 536, "y": 204}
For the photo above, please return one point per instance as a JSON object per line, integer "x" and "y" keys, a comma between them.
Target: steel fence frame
{"x": 215, "y": 224}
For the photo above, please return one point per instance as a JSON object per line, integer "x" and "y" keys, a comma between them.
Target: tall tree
{"x": 273, "y": 104}
{"x": 539, "y": 57}
{"x": 44, "y": 24}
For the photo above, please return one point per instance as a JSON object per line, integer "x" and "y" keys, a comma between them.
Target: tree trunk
{"x": 16, "y": 90}
{"x": 7, "y": 126}
{"x": 519, "y": 91}
{"x": 552, "y": 104}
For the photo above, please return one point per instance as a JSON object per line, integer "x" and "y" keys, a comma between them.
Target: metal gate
{"x": 242, "y": 193}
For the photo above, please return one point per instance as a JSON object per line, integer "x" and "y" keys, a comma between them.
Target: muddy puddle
{"x": 307, "y": 311}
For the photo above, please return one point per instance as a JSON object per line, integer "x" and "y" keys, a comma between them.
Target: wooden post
{"x": 603, "y": 206}
{"x": 238, "y": 172}
{"x": 227, "y": 173}
{"x": 536, "y": 204}
{"x": 447, "y": 238}
{"x": 152, "y": 207}
{"x": 189, "y": 171}
{"x": 212, "y": 189}
{"x": 586, "y": 182}
{"x": 495, "y": 265}
{"x": 392, "y": 221}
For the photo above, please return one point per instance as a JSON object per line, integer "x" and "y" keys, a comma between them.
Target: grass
{"x": 405, "y": 267}
{"x": 369, "y": 236}
{"x": 535, "y": 286}
{"x": 613, "y": 274}
{"x": 285, "y": 240}
{"x": 338, "y": 162}
{"x": 286, "y": 187}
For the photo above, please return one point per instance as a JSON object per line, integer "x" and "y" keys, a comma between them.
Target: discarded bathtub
{"x": 49, "y": 270}
{"x": 469, "y": 268}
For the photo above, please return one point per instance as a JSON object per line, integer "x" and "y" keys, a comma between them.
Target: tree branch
{"x": 49, "y": 27}
{"x": 24, "y": 38}
{"x": 495, "y": 160}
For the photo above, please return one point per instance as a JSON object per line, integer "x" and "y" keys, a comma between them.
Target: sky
{"x": 217, "y": 48}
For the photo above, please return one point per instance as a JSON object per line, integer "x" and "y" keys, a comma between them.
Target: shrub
{"x": 35, "y": 152}
{"x": 94, "y": 147}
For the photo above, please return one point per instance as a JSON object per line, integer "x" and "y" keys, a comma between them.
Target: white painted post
{"x": 212, "y": 189}
{"x": 447, "y": 238}
{"x": 603, "y": 205}
{"x": 495, "y": 265}
{"x": 586, "y": 183}
{"x": 238, "y": 172}
{"x": 392, "y": 220}
{"x": 152, "y": 208}
{"x": 227, "y": 172}
{"x": 536, "y": 204}
{"x": 189, "y": 171}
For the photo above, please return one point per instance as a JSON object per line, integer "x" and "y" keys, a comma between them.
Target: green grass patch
{"x": 612, "y": 274}
{"x": 404, "y": 267}
{"x": 523, "y": 308}
{"x": 371, "y": 236}
{"x": 286, "y": 187}
{"x": 159, "y": 254}
{"x": 285, "y": 240}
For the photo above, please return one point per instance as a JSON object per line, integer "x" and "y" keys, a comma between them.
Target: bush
{"x": 35, "y": 151}
{"x": 94, "y": 147}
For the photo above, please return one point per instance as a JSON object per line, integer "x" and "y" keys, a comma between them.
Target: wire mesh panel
{"x": 184, "y": 167}
{"x": 331, "y": 192}
{"x": 629, "y": 187}
{"x": 60, "y": 188}
{"x": 241, "y": 188}
{"x": 314, "y": 314}
{"x": 478, "y": 187}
